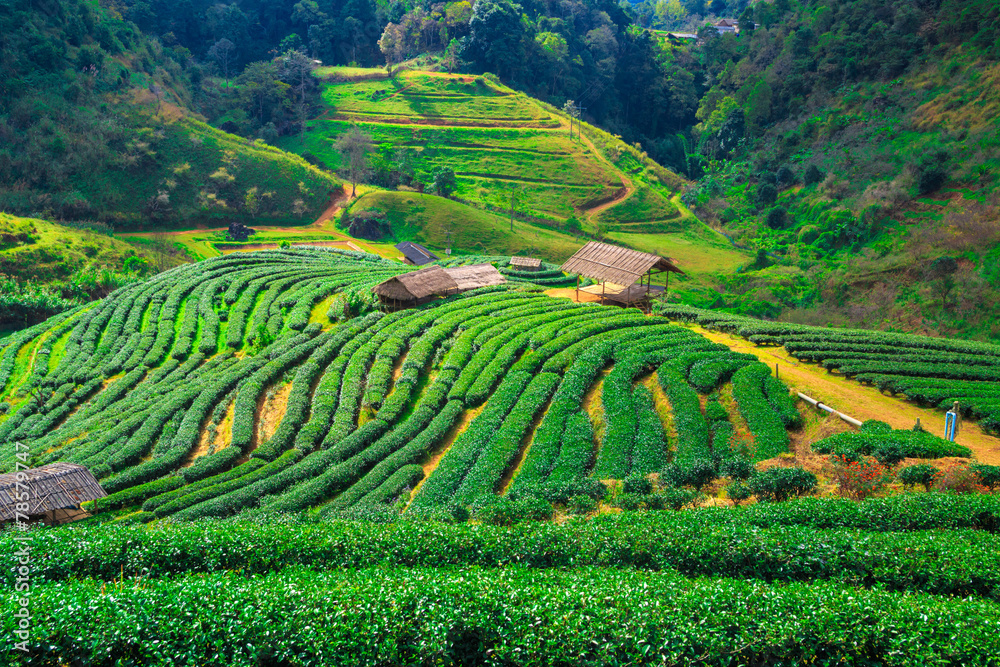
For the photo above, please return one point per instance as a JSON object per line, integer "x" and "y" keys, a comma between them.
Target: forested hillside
{"x": 98, "y": 121}
{"x": 852, "y": 144}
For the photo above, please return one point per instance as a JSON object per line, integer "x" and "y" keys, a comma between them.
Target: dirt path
{"x": 857, "y": 400}
{"x": 592, "y": 213}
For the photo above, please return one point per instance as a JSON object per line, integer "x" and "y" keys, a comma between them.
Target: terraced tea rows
{"x": 935, "y": 371}
{"x": 493, "y": 138}
{"x": 492, "y": 384}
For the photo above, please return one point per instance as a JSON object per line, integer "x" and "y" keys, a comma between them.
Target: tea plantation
{"x": 331, "y": 454}
{"x": 132, "y": 386}
{"x": 933, "y": 371}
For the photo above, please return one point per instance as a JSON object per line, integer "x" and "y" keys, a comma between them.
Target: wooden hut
{"x": 625, "y": 275}
{"x": 525, "y": 263}
{"x": 415, "y": 254}
{"x": 55, "y": 492}
{"x": 417, "y": 287}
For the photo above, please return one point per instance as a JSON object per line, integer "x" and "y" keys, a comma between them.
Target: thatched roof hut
{"x": 525, "y": 263}
{"x": 415, "y": 253}
{"x": 417, "y": 285}
{"x": 55, "y": 492}
{"x": 613, "y": 264}
{"x": 475, "y": 276}
{"x": 625, "y": 275}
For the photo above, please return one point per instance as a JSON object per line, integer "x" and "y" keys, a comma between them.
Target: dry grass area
{"x": 663, "y": 409}
{"x": 857, "y": 400}
{"x": 212, "y": 441}
{"x": 270, "y": 412}
{"x": 435, "y": 458}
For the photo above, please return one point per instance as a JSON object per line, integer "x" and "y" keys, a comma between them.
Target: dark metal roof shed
{"x": 416, "y": 253}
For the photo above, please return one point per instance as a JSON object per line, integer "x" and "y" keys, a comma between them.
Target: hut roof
{"x": 416, "y": 253}
{"x": 475, "y": 275}
{"x": 55, "y": 486}
{"x": 526, "y": 262}
{"x": 417, "y": 284}
{"x": 614, "y": 264}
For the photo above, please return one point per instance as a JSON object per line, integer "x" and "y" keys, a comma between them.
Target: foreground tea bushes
{"x": 509, "y": 616}
{"x": 929, "y": 542}
{"x": 876, "y": 437}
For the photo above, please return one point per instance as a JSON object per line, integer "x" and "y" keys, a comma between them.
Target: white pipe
{"x": 821, "y": 406}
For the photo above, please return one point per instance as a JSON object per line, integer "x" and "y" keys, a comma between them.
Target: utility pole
{"x": 515, "y": 200}
{"x": 573, "y": 111}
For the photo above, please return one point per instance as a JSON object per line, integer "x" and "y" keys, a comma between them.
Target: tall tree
{"x": 495, "y": 42}
{"x": 392, "y": 45}
{"x": 354, "y": 147}
{"x": 296, "y": 69}
{"x": 261, "y": 88}
{"x": 223, "y": 53}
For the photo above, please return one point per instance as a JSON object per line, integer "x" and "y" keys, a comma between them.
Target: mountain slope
{"x": 497, "y": 140}
{"x": 95, "y": 123}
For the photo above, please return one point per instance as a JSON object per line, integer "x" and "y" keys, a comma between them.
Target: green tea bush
{"x": 780, "y": 484}
{"x": 921, "y": 473}
{"x": 989, "y": 476}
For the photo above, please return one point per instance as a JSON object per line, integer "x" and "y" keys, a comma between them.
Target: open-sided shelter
{"x": 54, "y": 493}
{"x": 415, "y": 254}
{"x": 625, "y": 275}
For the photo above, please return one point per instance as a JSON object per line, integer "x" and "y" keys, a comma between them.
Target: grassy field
{"x": 186, "y": 172}
{"x": 492, "y": 137}
{"x": 47, "y": 252}
{"x": 428, "y": 220}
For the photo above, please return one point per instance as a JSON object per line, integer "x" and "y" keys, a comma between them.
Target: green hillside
{"x": 873, "y": 189}
{"x": 100, "y": 122}
{"x": 432, "y": 221}
{"x": 46, "y": 268}
{"x": 496, "y": 139}
{"x": 192, "y": 174}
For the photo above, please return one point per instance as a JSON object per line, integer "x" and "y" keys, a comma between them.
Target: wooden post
{"x": 578, "y": 288}
{"x": 604, "y": 289}
{"x": 776, "y": 372}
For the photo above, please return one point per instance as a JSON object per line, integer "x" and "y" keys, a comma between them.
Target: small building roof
{"x": 417, "y": 284}
{"x": 475, "y": 276}
{"x": 732, "y": 23}
{"x": 54, "y": 486}
{"x": 682, "y": 35}
{"x": 525, "y": 262}
{"x": 614, "y": 264}
{"x": 416, "y": 253}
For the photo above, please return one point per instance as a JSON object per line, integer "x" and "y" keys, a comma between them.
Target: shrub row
{"x": 770, "y": 436}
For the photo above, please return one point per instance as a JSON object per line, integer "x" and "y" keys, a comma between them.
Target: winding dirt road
{"x": 855, "y": 399}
